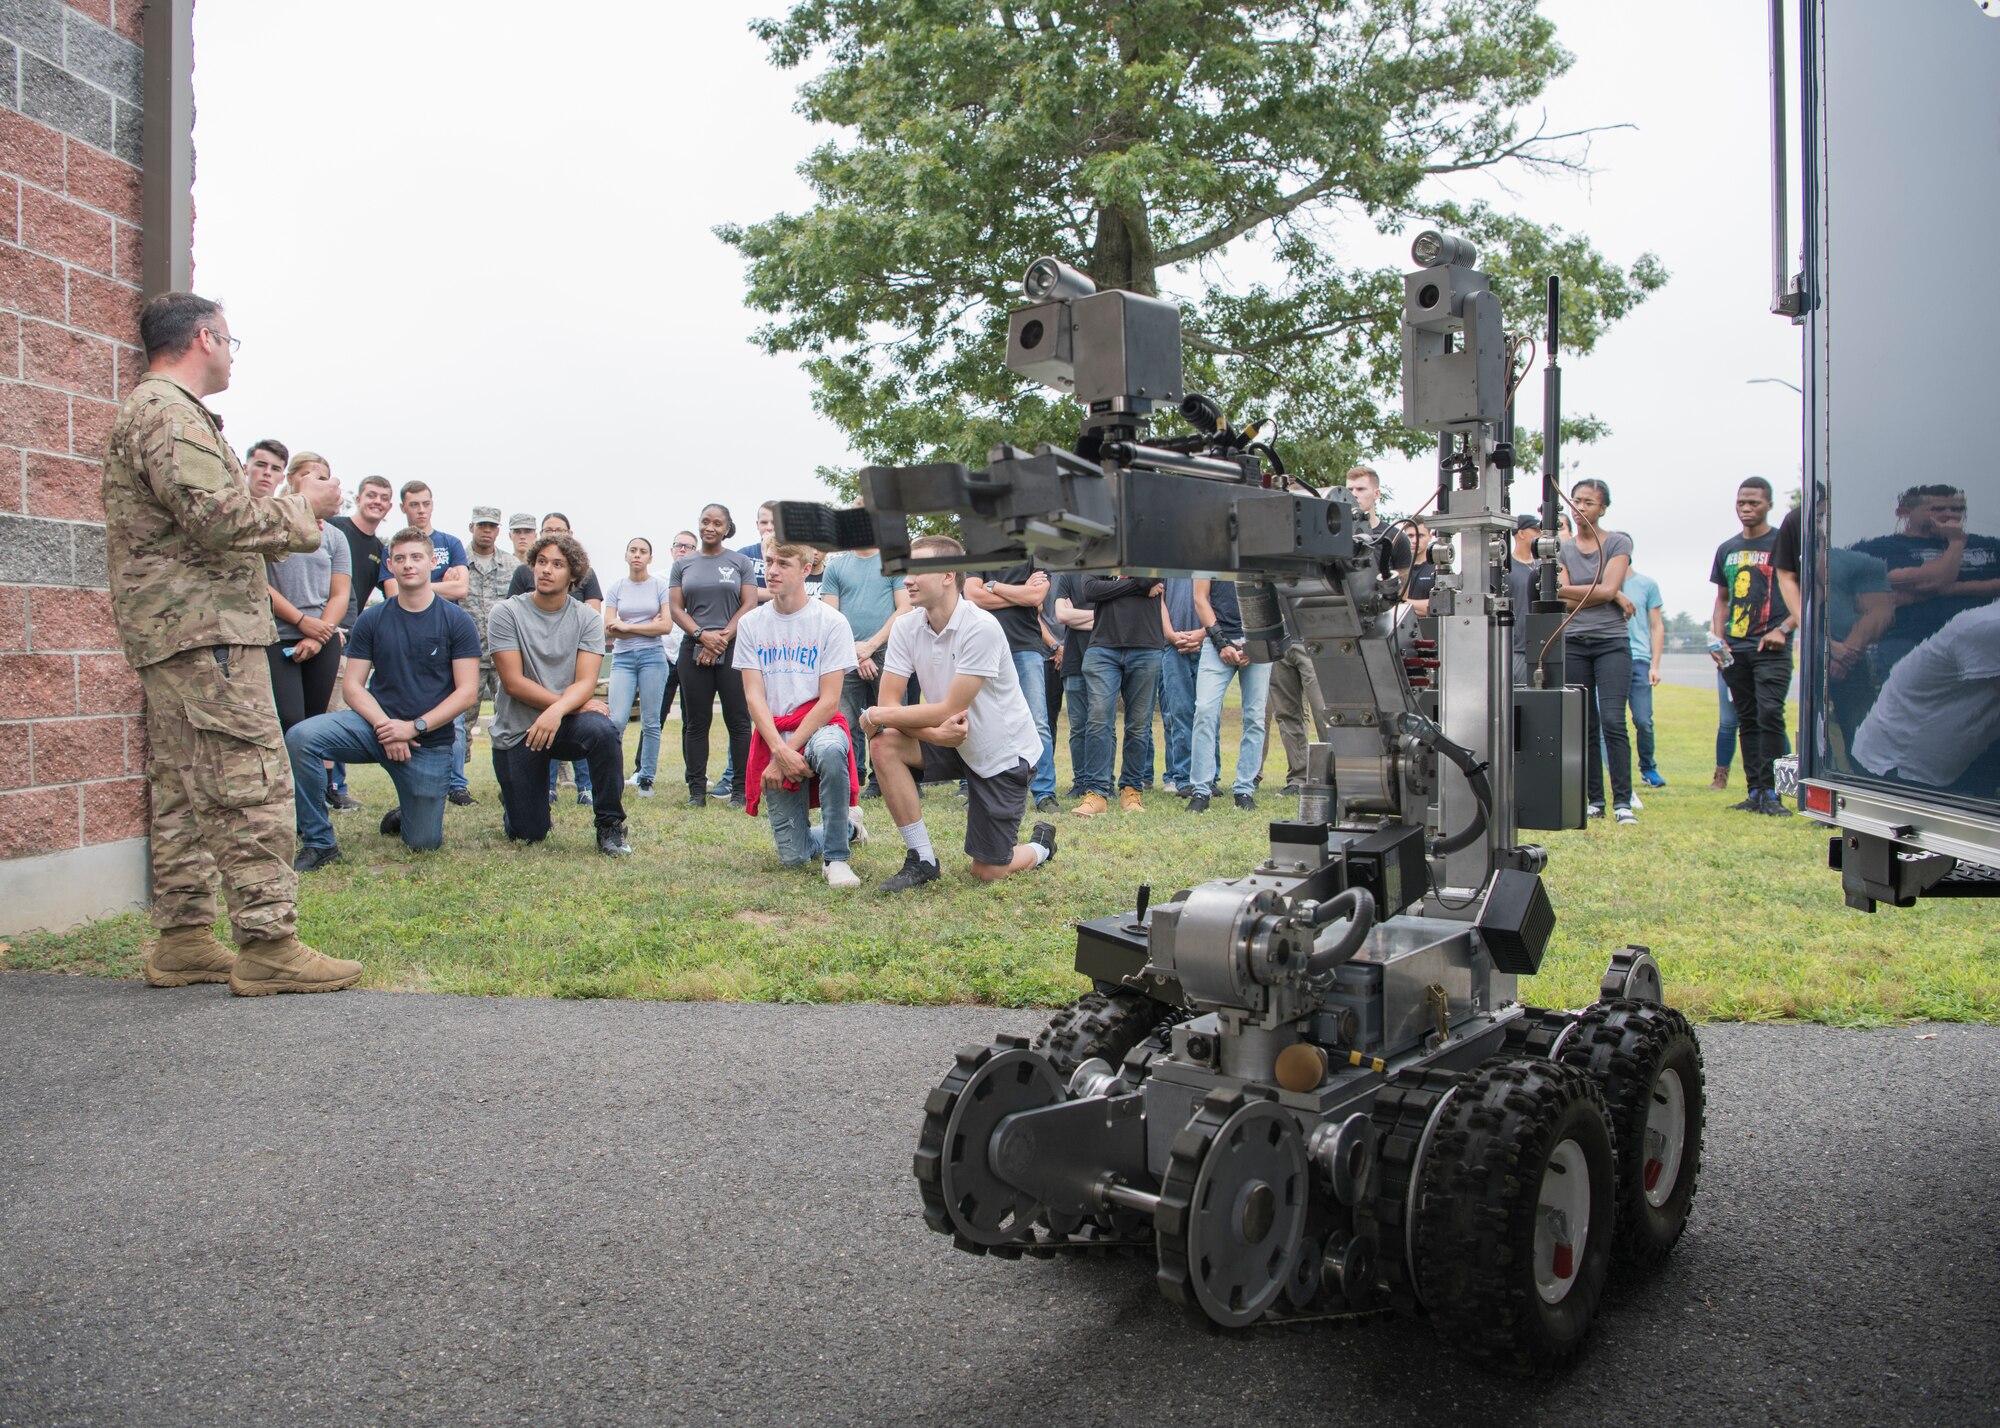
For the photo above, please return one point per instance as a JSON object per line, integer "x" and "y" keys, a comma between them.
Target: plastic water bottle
{"x": 1719, "y": 647}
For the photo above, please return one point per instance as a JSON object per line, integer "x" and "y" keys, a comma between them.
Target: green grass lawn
{"x": 1741, "y": 911}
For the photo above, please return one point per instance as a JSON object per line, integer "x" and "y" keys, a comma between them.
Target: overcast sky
{"x": 471, "y": 243}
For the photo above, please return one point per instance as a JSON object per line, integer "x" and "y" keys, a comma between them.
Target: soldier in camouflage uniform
{"x": 488, "y": 575}
{"x": 187, "y": 543}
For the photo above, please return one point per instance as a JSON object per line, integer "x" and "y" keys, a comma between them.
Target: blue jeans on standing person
{"x": 1076, "y": 699}
{"x": 1032, "y": 667}
{"x": 1642, "y": 714}
{"x": 1210, "y": 687}
{"x": 1133, "y": 677}
{"x": 643, "y": 671}
{"x": 1725, "y": 727}
{"x": 421, "y": 781}
{"x": 790, "y": 808}
{"x": 1179, "y": 674}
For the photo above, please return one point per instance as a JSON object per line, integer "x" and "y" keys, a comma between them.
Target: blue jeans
{"x": 1076, "y": 696}
{"x": 1032, "y": 666}
{"x": 1134, "y": 676}
{"x": 458, "y": 742}
{"x": 1179, "y": 674}
{"x": 1725, "y": 727}
{"x": 1642, "y": 713}
{"x": 826, "y": 751}
{"x": 1210, "y": 687}
{"x": 646, "y": 672}
{"x": 420, "y": 783}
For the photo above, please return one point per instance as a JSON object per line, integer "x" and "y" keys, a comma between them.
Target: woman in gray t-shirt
{"x": 1597, "y": 651}
{"x": 305, "y": 585}
{"x": 707, "y": 594}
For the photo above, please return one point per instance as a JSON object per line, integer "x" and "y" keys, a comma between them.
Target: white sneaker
{"x": 1635, "y": 805}
{"x": 839, "y": 875}
{"x": 1624, "y": 814}
{"x": 857, "y": 831}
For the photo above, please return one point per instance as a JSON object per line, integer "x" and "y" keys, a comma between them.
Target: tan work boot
{"x": 1092, "y": 805}
{"x": 288, "y": 965}
{"x": 185, "y": 955}
{"x": 1128, "y": 799}
{"x": 1721, "y": 779}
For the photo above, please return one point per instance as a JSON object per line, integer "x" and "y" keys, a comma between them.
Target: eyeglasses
{"x": 234, "y": 343}
{"x": 683, "y": 545}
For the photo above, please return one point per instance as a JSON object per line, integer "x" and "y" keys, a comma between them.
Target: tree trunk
{"x": 1121, "y": 256}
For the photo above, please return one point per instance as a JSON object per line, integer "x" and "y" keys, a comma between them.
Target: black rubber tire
{"x": 1624, "y": 1046}
{"x": 1100, "y": 1024}
{"x": 1478, "y": 1205}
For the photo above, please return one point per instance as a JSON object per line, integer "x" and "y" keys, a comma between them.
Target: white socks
{"x": 917, "y": 840}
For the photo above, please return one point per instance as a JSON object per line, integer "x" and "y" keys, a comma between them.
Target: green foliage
{"x": 1138, "y": 140}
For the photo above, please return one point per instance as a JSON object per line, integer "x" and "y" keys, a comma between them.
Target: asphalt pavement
{"x": 370, "y": 1208}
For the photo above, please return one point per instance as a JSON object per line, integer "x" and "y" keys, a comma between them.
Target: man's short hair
{"x": 169, "y": 322}
{"x": 1907, "y": 501}
{"x": 367, "y": 481}
{"x": 799, "y": 554}
{"x": 272, "y": 445}
{"x": 412, "y": 488}
{"x": 939, "y": 545}
{"x": 1369, "y": 471}
{"x": 572, "y": 554}
{"x": 305, "y": 459}
{"x": 771, "y": 506}
{"x": 409, "y": 535}
{"x": 1755, "y": 483}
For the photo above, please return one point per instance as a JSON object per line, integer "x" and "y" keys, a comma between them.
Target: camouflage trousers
{"x": 222, "y": 793}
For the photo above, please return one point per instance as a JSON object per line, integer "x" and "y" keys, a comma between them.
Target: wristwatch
{"x": 420, "y": 726}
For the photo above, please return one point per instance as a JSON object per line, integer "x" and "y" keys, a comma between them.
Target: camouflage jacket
{"x": 184, "y": 538}
{"x": 486, "y": 587}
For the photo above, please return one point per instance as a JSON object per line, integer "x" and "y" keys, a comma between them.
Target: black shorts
{"x": 993, "y": 806}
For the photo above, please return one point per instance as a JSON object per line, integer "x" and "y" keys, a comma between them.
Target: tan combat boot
{"x": 288, "y": 965}
{"x": 1092, "y": 805}
{"x": 1129, "y": 800}
{"x": 185, "y": 955}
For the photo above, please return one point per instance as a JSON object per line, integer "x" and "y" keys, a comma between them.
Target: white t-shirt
{"x": 1939, "y": 709}
{"x": 1001, "y": 730}
{"x": 793, "y": 651}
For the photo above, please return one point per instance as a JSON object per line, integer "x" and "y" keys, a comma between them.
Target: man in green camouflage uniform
{"x": 186, "y": 543}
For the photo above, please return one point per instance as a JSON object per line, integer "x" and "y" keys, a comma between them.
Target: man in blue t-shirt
{"x": 423, "y": 655}
{"x": 1646, "y": 627}
{"x": 454, "y": 582}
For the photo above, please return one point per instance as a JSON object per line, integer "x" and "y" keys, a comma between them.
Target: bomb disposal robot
{"x": 1314, "y": 1087}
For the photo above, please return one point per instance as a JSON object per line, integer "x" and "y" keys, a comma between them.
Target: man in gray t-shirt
{"x": 547, "y": 649}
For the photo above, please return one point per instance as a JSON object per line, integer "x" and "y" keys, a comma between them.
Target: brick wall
{"x": 72, "y": 744}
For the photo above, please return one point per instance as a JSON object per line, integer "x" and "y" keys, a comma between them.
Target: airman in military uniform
{"x": 186, "y": 543}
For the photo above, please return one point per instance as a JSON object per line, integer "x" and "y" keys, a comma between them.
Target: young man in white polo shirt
{"x": 794, "y": 654}
{"x": 975, "y": 725}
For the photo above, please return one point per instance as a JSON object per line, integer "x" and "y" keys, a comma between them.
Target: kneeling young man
{"x": 977, "y": 727}
{"x": 547, "y": 648}
{"x": 794, "y": 654}
{"x": 412, "y": 668}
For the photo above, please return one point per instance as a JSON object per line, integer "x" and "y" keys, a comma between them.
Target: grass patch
{"x": 1742, "y": 912}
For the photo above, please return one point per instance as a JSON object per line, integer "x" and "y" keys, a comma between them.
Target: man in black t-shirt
{"x": 1122, "y": 665}
{"x": 372, "y": 501}
{"x": 1014, "y": 597}
{"x": 1936, "y": 568}
{"x": 1750, "y": 617}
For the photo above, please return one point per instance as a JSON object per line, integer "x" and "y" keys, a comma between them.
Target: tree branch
{"x": 1237, "y": 227}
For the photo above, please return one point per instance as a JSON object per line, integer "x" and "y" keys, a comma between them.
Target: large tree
{"x": 1139, "y": 140}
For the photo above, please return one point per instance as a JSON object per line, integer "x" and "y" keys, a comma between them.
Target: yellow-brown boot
{"x": 1092, "y": 805}
{"x": 184, "y": 955}
{"x": 1129, "y": 800}
{"x": 288, "y": 965}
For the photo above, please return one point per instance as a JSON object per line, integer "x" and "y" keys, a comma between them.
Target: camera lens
{"x": 1427, "y": 295}
{"x": 1031, "y": 334}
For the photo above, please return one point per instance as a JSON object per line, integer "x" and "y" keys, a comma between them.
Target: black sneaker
{"x": 611, "y": 842}
{"x": 1047, "y": 805}
{"x": 697, "y": 798}
{"x": 312, "y": 859}
{"x": 1774, "y": 805}
{"x": 1246, "y": 801}
{"x": 737, "y": 805}
{"x": 1045, "y": 835}
{"x": 460, "y": 798}
{"x": 341, "y": 801}
{"x": 1197, "y": 803}
{"x": 392, "y": 823}
{"x": 914, "y": 873}
{"x": 1753, "y": 804}
{"x": 871, "y": 789}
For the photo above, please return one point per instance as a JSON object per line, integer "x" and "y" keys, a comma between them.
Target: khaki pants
{"x": 1294, "y": 691}
{"x": 222, "y": 793}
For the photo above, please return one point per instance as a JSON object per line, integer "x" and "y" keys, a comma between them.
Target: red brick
{"x": 102, "y": 181}
{"x": 30, "y": 283}
{"x": 33, "y": 151}
{"x": 127, "y": 254}
{"x": 13, "y": 618}
{"x": 34, "y": 416}
{"x": 57, "y": 357}
{"x": 10, "y": 209}
{"x": 100, "y": 305}
{"x": 136, "y": 747}
{"x": 115, "y": 810}
{"x": 14, "y": 755}
{"x": 75, "y": 750}
{"x": 39, "y": 820}
{"x": 60, "y": 618}
{"x": 131, "y": 21}
{"x": 10, "y": 345}
{"x": 107, "y": 685}
{"x": 130, "y": 366}
{"x": 98, "y": 10}
{"x": 53, "y": 225}
{"x": 13, "y": 480}
{"x": 90, "y": 424}
{"x": 65, "y": 488}
{"x": 38, "y": 686}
